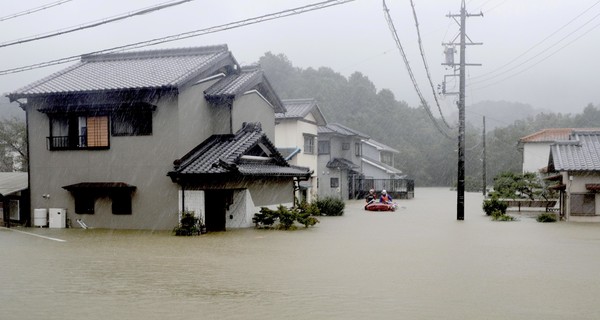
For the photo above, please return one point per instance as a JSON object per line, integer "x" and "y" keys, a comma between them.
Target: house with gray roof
{"x": 576, "y": 164}
{"x": 115, "y": 139}
{"x": 339, "y": 160}
{"x": 296, "y": 132}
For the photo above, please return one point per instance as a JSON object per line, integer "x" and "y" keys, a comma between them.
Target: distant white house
{"x": 378, "y": 160}
{"x": 296, "y": 139}
{"x": 536, "y": 146}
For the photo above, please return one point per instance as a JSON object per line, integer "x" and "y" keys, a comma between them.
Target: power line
{"x": 540, "y": 61}
{"x": 412, "y": 77}
{"x": 30, "y": 11}
{"x": 95, "y": 23}
{"x": 488, "y": 76}
{"x": 185, "y": 35}
{"x": 437, "y": 102}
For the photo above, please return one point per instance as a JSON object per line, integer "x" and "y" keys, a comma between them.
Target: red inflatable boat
{"x": 378, "y": 206}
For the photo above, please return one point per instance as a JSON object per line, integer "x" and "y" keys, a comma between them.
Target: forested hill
{"x": 426, "y": 155}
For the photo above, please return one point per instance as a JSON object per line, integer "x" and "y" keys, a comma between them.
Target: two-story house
{"x": 377, "y": 166}
{"x": 104, "y": 134}
{"x": 296, "y": 135}
{"x": 378, "y": 160}
{"x": 340, "y": 152}
{"x": 535, "y": 147}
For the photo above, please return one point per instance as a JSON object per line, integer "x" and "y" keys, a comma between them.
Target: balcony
{"x": 71, "y": 143}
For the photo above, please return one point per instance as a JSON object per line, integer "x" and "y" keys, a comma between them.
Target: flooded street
{"x": 415, "y": 263}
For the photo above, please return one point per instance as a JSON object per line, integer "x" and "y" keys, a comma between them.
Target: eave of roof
{"x": 341, "y": 130}
{"x": 11, "y": 182}
{"x": 142, "y": 70}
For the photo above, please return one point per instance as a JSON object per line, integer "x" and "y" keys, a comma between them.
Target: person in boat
{"x": 385, "y": 197}
{"x": 371, "y": 196}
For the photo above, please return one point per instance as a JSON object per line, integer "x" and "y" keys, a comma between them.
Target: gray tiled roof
{"x": 581, "y": 153}
{"x": 236, "y": 84}
{"x": 336, "y": 128}
{"x": 134, "y": 70}
{"x": 225, "y": 154}
{"x": 300, "y": 108}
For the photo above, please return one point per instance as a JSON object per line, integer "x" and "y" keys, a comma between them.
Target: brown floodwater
{"x": 415, "y": 263}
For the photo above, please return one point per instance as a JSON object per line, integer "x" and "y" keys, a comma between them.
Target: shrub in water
{"x": 493, "y": 204}
{"x": 189, "y": 225}
{"x": 265, "y": 218}
{"x": 498, "y": 215}
{"x": 546, "y": 217}
{"x": 331, "y": 206}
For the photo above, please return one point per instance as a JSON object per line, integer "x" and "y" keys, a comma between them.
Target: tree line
{"x": 425, "y": 154}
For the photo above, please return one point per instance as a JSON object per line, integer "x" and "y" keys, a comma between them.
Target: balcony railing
{"x": 70, "y": 143}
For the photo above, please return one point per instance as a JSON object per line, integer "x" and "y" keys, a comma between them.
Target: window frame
{"x": 324, "y": 147}
{"x": 334, "y": 182}
{"x": 309, "y": 143}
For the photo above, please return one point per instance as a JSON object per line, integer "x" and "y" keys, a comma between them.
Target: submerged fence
{"x": 397, "y": 188}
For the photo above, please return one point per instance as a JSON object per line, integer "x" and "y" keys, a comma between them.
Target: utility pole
{"x": 460, "y": 190}
{"x": 484, "y": 159}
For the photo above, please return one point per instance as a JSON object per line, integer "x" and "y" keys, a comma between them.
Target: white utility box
{"x": 58, "y": 218}
{"x": 40, "y": 217}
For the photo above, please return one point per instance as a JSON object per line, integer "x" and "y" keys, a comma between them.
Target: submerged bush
{"x": 498, "y": 215}
{"x": 286, "y": 217}
{"x": 189, "y": 225}
{"x": 331, "y": 206}
{"x": 493, "y": 204}
{"x": 546, "y": 217}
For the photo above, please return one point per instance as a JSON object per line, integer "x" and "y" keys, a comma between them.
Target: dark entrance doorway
{"x": 216, "y": 204}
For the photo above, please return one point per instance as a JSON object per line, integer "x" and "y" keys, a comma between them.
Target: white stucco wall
{"x": 535, "y": 156}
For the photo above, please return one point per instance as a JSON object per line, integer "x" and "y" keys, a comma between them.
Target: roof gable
{"x": 152, "y": 69}
{"x": 248, "y": 152}
{"x": 298, "y": 109}
{"x": 239, "y": 83}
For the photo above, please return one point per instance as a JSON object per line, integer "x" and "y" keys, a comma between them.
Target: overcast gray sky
{"x": 557, "y": 71}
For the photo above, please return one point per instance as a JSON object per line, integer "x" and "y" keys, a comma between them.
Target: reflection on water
{"x": 415, "y": 263}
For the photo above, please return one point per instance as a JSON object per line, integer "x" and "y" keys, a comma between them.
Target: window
{"x": 357, "y": 149}
{"x": 121, "y": 203}
{"x": 132, "y": 123}
{"x": 386, "y": 158}
{"x": 334, "y": 182}
{"x": 345, "y": 146}
{"x": 309, "y": 144}
{"x": 71, "y": 132}
{"x": 84, "y": 203}
{"x": 324, "y": 147}
{"x": 13, "y": 209}
{"x": 583, "y": 204}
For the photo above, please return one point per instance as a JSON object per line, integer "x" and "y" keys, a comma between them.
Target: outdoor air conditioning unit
{"x": 40, "y": 217}
{"x": 58, "y": 218}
